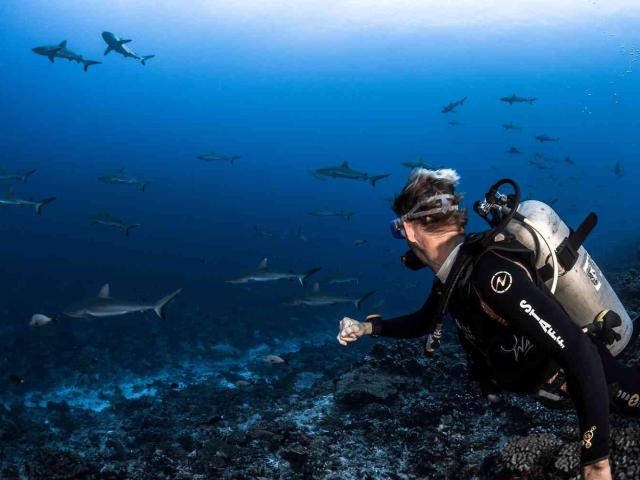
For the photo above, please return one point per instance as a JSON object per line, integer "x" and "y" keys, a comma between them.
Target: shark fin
{"x": 143, "y": 185}
{"x": 359, "y": 301}
{"x": 145, "y": 58}
{"x": 26, "y": 175}
{"x": 316, "y": 288}
{"x": 42, "y": 203}
{"x": 345, "y": 164}
{"x": 121, "y": 42}
{"x": 88, "y": 63}
{"x": 159, "y": 308}
{"x": 51, "y": 58}
{"x": 105, "y": 291}
{"x": 108, "y": 49}
{"x": 62, "y": 44}
{"x": 129, "y": 227}
{"x": 304, "y": 277}
{"x": 263, "y": 264}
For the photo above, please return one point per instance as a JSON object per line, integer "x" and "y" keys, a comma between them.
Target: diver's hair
{"x": 424, "y": 183}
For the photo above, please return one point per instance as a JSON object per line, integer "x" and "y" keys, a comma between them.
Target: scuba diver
{"x": 533, "y": 311}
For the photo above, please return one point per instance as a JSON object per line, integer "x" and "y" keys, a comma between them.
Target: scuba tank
{"x": 563, "y": 263}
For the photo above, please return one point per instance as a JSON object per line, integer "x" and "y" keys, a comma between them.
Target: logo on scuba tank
{"x": 501, "y": 281}
{"x": 589, "y": 267}
{"x": 546, "y": 328}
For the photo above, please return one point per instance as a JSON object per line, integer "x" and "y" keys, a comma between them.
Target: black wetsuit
{"x": 517, "y": 335}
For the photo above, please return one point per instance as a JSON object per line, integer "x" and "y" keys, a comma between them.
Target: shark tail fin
{"x": 88, "y": 63}
{"x": 303, "y": 278}
{"x": 376, "y": 178}
{"x": 143, "y": 185}
{"x": 129, "y": 227}
{"x": 359, "y": 301}
{"x": 145, "y": 58}
{"x": 42, "y": 203}
{"x": 159, "y": 308}
{"x": 26, "y": 175}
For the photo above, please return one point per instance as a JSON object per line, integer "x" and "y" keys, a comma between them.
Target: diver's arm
{"x": 507, "y": 289}
{"x": 413, "y": 325}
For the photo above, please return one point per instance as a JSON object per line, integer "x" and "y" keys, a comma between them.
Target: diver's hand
{"x": 351, "y": 330}
{"x": 600, "y": 470}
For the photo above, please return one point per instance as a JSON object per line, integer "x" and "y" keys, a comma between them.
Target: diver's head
{"x": 429, "y": 216}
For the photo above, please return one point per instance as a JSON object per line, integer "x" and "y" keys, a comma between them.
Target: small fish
{"x": 339, "y": 279}
{"x": 273, "y": 360}
{"x": 359, "y": 242}
{"x": 40, "y": 320}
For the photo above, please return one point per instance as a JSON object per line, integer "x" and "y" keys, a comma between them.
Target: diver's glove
{"x": 603, "y": 327}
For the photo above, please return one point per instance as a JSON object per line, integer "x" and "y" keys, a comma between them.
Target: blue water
{"x": 288, "y": 97}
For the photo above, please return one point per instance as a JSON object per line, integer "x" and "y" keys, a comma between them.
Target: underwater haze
{"x": 185, "y": 172}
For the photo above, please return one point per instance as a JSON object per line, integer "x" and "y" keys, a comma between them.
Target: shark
{"x": 61, "y": 51}
{"x": 5, "y": 175}
{"x": 332, "y": 213}
{"x": 105, "y": 306}
{"x": 511, "y": 126}
{"x": 116, "y": 44}
{"x": 341, "y": 278}
{"x": 516, "y": 99}
{"x": 345, "y": 171}
{"x": 318, "y": 299}
{"x": 263, "y": 274}
{"x": 513, "y": 151}
{"x": 217, "y": 157}
{"x": 105, "y": 218}
{"x": 546, "y": 138}
{"x": 10, "y": 199}
{"x": 418, "y": 164}
{"x": 450, "y": 107}
{"x": 123, "y": 178}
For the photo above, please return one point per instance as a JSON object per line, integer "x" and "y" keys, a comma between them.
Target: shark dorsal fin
{"x": 263, "y": 264}
{"x": 316, "y": 288}
{"x": 345, "y": 164}
{"x": 104, "y": 291}
{"x": 63, "y": 44}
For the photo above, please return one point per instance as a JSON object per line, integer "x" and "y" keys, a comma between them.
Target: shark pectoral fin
{"x": 122, "y": 42}
{"x": 359, "y": 301}
{"x": 104, "y": 291}
{"x": 304, "y": 278}
{"x": 51, "y": 58}
{"x": 108, "y": 49}
{"x": 159, "y": 308}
